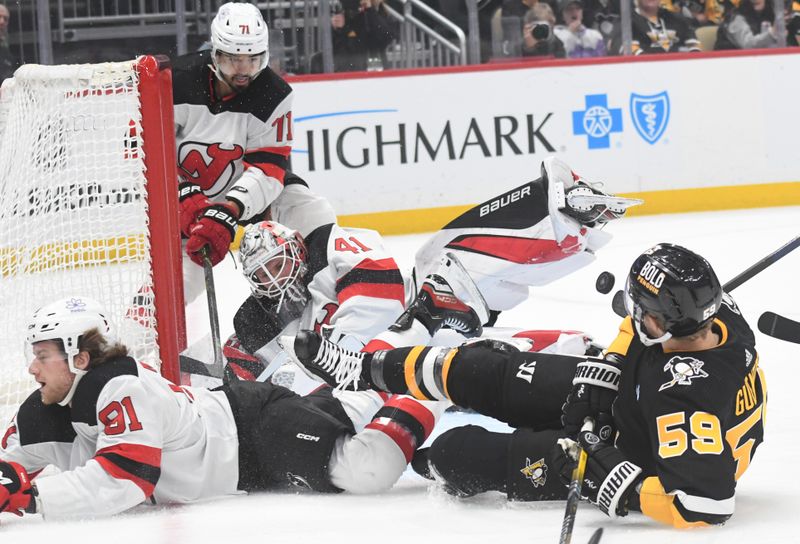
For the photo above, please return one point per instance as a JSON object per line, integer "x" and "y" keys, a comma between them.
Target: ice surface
{"x": 767, "y": 497}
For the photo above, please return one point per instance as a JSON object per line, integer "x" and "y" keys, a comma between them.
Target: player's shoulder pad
{"x": 704, "y": 379}
{"x": 84, "y": 403}
{"x": 736, "y": 329}
{"x": 38, "y": 422}
{"x": 317, "y": 248}
{"x": 190, "y": 75}
{"x": 263, "y": 96}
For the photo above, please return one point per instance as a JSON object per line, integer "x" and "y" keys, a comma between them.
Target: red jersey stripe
{"x": 120, "y": 474}
{"x": 399, "y": 435}
{"x": 284, "y": 150}
{"x": 415, "y": 409}
{"x": 147, "y": 455}
{"x": 391, "y": 291}
{"x": 380, "y": 264}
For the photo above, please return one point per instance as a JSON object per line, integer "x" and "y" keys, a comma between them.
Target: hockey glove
{"x": 16, "y": 493}
{"x": 191, "y": 203}
{"x": 594, "y": 389}
{"x": 215, "y": 229}
{"x": 609, "y": 479}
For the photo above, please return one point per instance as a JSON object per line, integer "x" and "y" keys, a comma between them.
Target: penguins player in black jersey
{"x": 678, "y": 401}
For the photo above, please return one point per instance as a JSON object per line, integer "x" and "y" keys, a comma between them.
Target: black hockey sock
{"x": 385, "y": 370}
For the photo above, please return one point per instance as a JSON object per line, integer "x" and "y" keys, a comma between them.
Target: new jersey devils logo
{"x": 211, "y": 166}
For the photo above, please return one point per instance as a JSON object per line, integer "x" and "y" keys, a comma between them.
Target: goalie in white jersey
{"x": 343, "y": 284}
{"x": 339, "y": 281}
{"x": 121, "y": 434}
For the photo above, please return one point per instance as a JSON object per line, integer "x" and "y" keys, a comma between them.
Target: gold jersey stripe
{"x": 657, "y": 504}
{"x": 622, "y": 342}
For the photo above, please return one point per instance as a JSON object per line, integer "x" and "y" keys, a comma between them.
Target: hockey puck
{"x": 604, "y": 283}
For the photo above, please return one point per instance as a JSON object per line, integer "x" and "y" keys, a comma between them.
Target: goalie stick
{"x": 618, "y": 302}
{"x": 779, "y": 327}
{"x": 217, "y": 368}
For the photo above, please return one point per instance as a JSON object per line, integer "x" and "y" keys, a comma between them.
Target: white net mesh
{"x": 73, "y": 207}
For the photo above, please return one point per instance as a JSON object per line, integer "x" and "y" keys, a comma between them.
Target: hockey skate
{"x": 321, "y": 358}
{"x": 448, "y": 298}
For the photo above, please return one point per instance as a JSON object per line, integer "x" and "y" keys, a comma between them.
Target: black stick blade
{"x": 596, "y": 536}
{"x": 779, "y": 327}
{"x": 618, "y": 304}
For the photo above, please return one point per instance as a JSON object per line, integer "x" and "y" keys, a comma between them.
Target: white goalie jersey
{"x": 127, "y": 436}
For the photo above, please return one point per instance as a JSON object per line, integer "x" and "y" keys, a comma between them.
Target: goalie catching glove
{"x": 16, "y": 493}
{"x": 215, "y": 228}
{"x": 594, "y": 389}
{"x": 610, "y": 479}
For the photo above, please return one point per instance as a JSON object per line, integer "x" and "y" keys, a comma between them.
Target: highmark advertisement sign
{"x": 382, "y": 144}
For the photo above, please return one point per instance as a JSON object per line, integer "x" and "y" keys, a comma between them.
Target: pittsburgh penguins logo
{"x": 535, "y": 472}
{"x": 210, "y": 166}
{"x": 683, "y": 370}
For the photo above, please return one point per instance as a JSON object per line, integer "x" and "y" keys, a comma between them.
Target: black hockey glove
{"x": 594, "y": 389}
{"x": 609, "y": 479}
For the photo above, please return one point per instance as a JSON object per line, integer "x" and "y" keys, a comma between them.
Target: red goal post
{"x": 88, "y": 206}
{"x": 155, "y": 90}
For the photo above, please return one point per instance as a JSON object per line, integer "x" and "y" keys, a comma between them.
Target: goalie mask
{"x": 273, "y": 260}
{"x": 239, "y": 44}
{"x": 676, "y": 286}
{"x": 67, "y": 320}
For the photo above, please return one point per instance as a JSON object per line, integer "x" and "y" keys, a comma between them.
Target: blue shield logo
{"x": 650, "y": 115}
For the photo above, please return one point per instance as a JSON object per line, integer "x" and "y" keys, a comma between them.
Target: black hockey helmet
{"x": 675, "y": 285}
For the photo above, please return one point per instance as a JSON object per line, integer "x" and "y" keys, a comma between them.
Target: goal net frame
{"x": 146, "y": 145}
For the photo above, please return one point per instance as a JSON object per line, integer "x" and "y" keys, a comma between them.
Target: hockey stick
{"x": 779, "y": 327}
{"x": 618, "y": 302}
{"x": 596, "y": 536}
{"x": 574, "y": 493}
{"x": 217, "y": 369}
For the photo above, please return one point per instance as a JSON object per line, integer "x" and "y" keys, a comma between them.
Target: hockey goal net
{"x": 88, "y": 207}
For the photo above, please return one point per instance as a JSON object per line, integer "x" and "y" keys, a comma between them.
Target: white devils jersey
{"x": 128, "y": 435}
{"x": 355, "y": 286}
{"x": 237, "y": 146}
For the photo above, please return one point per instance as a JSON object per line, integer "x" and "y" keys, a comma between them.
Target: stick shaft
{"x": 213, "y": 315}
{"x": 769, "y": 260}
{"x": 574, "y": 494}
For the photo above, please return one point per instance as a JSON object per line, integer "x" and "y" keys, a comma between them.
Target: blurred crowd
{"x": 363, "y": 31}
{"x": 512, "y": 29}
{"x": 591, "y": 28}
